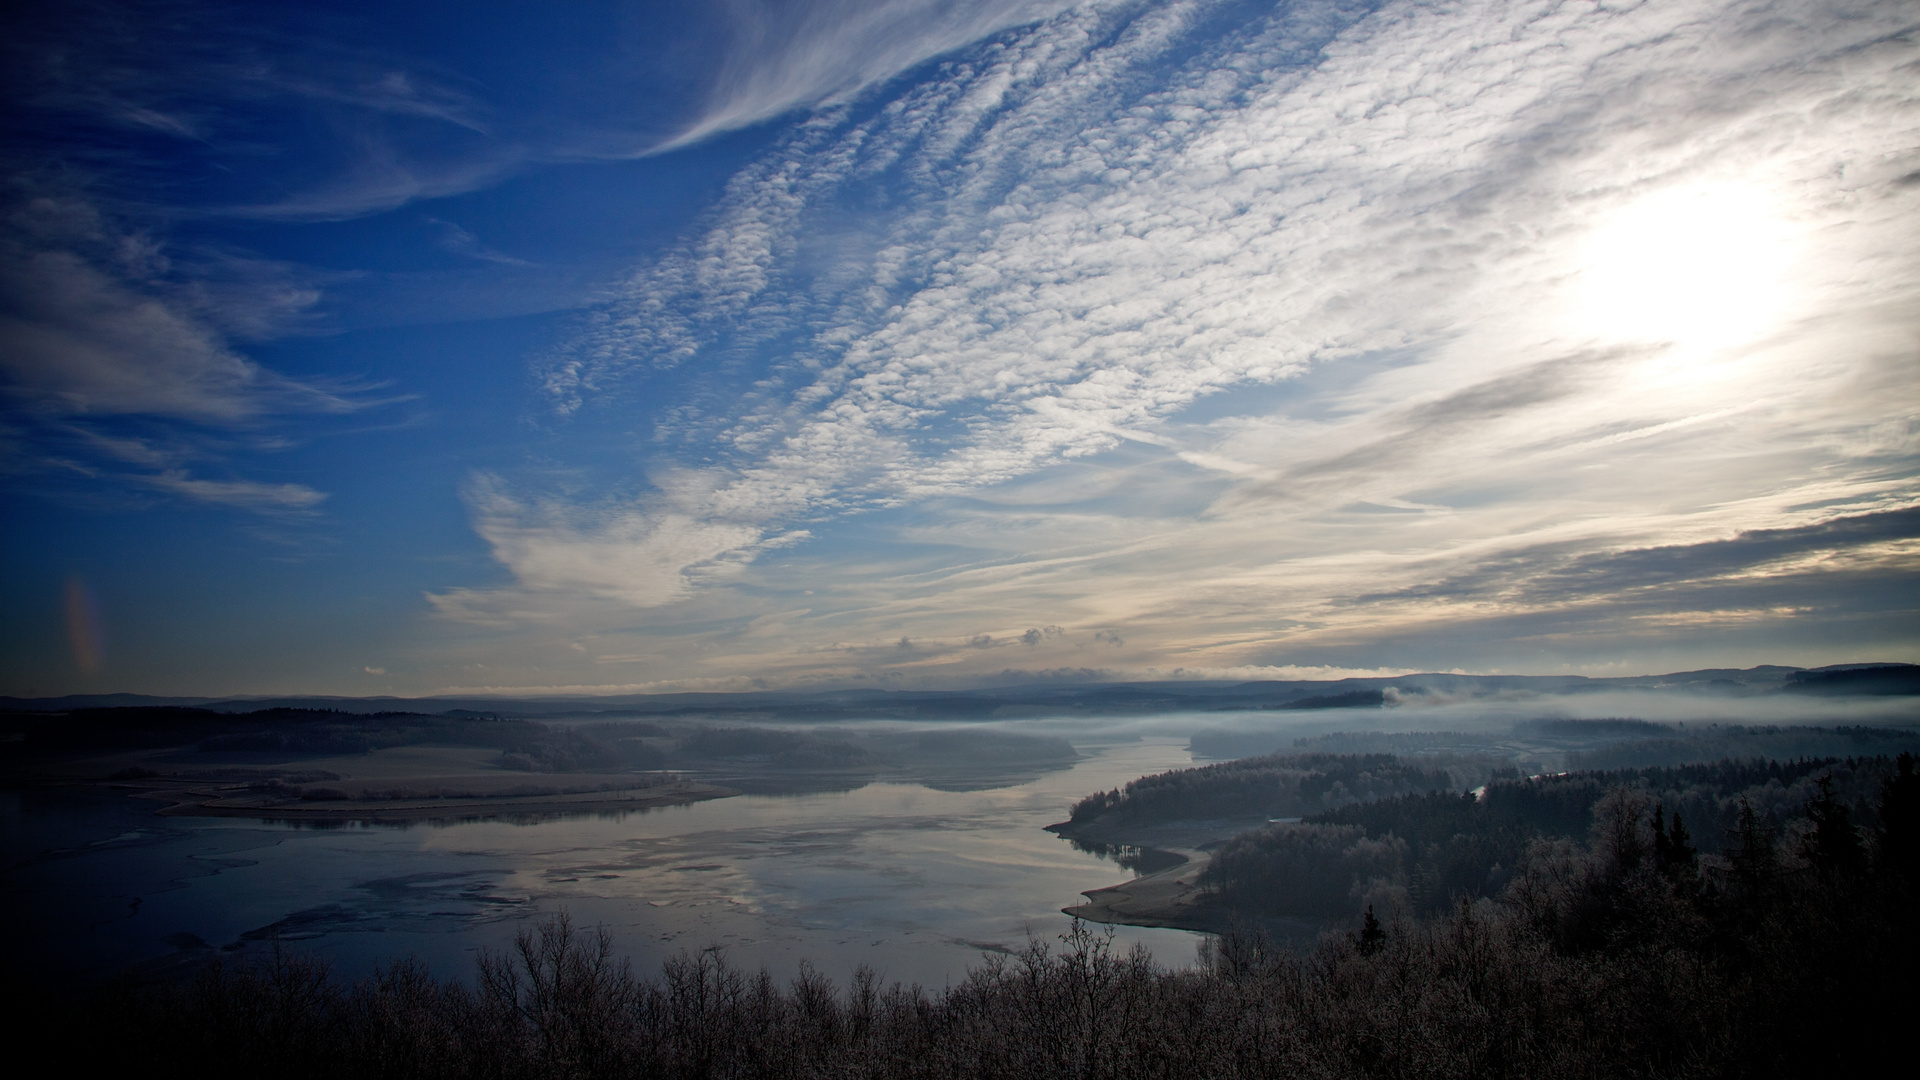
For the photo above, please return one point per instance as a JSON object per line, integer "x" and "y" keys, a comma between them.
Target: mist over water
{"x": 1254, "y": 731}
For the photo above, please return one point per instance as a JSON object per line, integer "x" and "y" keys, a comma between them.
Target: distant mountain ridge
{"x": 1877, "y": 679}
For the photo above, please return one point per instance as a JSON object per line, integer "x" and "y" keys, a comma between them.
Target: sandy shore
{"x": 1173, "y": 898}
{"x": 1170, "y": 898}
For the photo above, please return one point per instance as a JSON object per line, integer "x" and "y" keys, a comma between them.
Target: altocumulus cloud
{"x": 1198, "y": 320}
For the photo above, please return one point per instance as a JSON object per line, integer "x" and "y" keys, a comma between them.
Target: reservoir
{"x": 916, "y": 882}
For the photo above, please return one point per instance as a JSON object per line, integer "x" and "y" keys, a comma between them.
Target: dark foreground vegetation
{"x": 1628, "y": 955}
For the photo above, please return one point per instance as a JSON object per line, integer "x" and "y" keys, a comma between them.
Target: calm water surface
{"x": 913, "y": 881}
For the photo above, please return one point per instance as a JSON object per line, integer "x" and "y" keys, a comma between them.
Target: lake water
{"x": 915, "y": 882}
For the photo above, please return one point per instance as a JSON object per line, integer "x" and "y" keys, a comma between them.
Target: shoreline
{"x": 1171, "y": 898}
{"x": 216, "y": 803}
{"x": 414, "y": 783}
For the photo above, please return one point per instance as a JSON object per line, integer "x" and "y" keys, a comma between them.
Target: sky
{"x": 630, "y": 347}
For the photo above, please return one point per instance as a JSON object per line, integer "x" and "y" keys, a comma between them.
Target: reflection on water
{"x": 1142, "y": 861}
{"x": 912, "y": 879}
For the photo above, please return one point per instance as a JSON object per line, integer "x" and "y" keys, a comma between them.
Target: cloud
{"x": 1551, "y": 575}
{"x": 75, "y": 341}
{"x": 640, "y": 556}
{"x": 246, "y": 494}
{"x": 461, "y": 242}
{"x": 118, "y": 350}
{"x": 378, "y": 183}
{"x": 97, "y": 318}
{"x": 1134, "y": 319}
{"x": 362, "y": 126}
{"x": 1421, "y": 430}
{"x": 357, "y": 129}
{"x": 96, "y": 60}
{"x": 783, "y": 56}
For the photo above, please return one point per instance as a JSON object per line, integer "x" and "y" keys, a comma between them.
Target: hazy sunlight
{"x": 1701, "y": 268}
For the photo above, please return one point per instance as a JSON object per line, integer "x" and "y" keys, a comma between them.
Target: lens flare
{"x": 84, "y": 632}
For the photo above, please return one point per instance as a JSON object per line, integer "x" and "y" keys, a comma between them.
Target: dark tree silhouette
{"x": 1833, "y": 845}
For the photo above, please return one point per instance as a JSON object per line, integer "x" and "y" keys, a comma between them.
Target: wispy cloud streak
{"x": 783, "y": 56}
{"x": 99, "y": 329}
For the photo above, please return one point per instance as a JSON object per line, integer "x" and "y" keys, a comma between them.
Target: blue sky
{"x": 630, "y": 347}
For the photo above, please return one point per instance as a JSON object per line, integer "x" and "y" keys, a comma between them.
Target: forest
{"x": 1625, "y": 953}
{"x": 1426, "y": 851}
{"x": 1323, "y": 772}
{"x": 1280, "y": 785}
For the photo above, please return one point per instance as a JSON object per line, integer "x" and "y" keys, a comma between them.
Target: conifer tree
{"x": 1681, "y": 846}
{"x": 1833, "y": 845}
{"x": 1755, "y": 864}
{"x": 1371, "y": 933}
{"x": 1673, "y": 850}
{"x": 1899, "y": 831}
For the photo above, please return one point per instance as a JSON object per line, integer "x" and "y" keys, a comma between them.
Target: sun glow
{"x": 1699, "y": 268}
